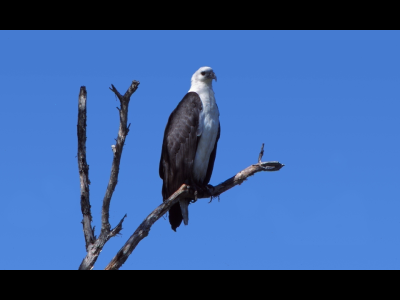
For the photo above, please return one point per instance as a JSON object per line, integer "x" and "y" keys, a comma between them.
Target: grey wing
{"x": 180, "y": 144}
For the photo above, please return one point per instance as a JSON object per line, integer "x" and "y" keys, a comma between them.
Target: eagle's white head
{"x": 204, "y": 75}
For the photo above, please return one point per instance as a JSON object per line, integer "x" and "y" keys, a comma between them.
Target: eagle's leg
{"x": 195, "y": 188}
{"x": 205, "y": 190}
{"x": 210, "y": 190}
{"x": 184, "y": 204}
{"x": 195, "y": 196}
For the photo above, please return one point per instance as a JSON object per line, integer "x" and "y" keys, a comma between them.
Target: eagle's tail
{"x": 185, "y": 211}
{"x": 179, "y": 212}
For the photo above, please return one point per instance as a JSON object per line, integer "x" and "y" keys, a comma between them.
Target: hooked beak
{"x": 213, "y": 76}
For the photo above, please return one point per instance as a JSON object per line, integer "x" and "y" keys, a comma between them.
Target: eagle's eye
{"x": 203, "y": 73}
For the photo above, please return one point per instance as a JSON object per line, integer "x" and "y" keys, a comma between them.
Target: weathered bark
{"x": 94, "y": 246}
{"x": 117, "y": 150}
{"x": 84, "y": 169}
{"x": 185, "y": 191}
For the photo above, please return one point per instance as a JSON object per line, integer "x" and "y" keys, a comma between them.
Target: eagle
{"x": 190, "y": 143}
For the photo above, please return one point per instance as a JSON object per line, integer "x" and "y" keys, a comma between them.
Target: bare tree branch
{"x": 94, "y": 247}
{"x": 84, "y": 169}
{"x": 185, "y": 191}
{"x": 122, "y": 133}
{"x": 143, "y": 230}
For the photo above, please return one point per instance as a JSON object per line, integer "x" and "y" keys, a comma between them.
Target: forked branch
{"x": 117, "y": 150}
{"x": 94, "y": 246}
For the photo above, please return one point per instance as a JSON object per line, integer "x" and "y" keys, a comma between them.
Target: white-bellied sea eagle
{"x": 190, "y": 143}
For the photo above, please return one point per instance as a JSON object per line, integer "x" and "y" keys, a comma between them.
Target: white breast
{"x": 208, "y": 130}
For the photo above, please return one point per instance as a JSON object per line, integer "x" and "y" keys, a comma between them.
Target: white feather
{"x": 208, "y": 125}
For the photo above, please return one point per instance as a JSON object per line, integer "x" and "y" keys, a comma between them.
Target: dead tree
{"x": 94, "y": 244}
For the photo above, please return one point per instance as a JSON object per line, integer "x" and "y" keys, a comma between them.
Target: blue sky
{"x": 325, "y": 103}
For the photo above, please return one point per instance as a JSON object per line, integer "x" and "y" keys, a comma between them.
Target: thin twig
{"x": 261, "y": 154}
{"x": 185, "y": 191}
